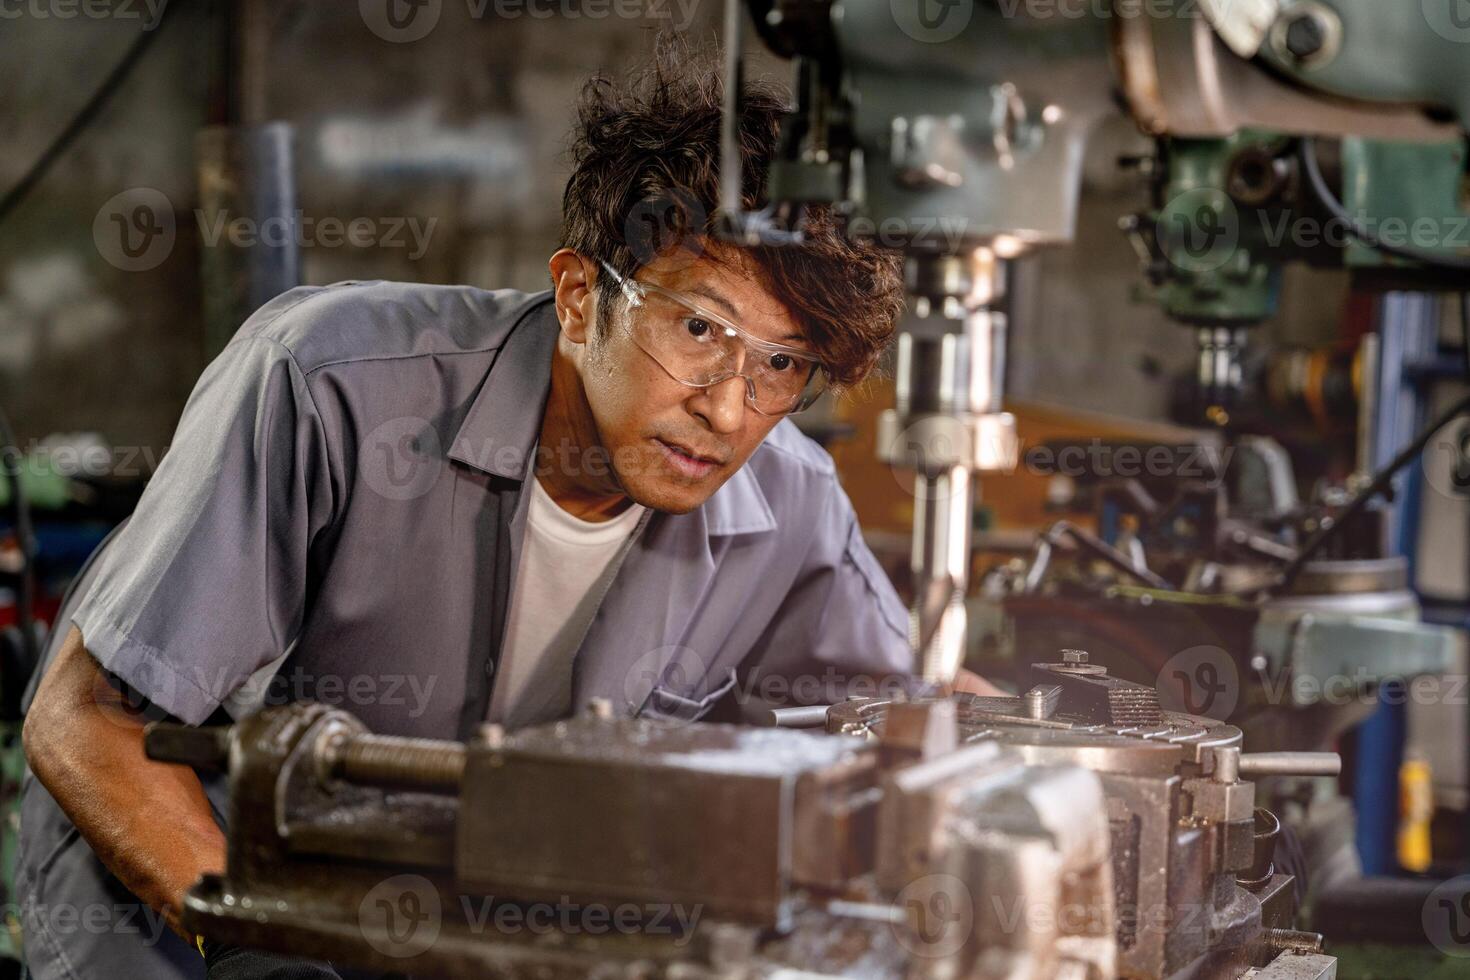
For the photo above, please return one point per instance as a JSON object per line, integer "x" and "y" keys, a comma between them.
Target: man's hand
{"x": 970, "y": 683}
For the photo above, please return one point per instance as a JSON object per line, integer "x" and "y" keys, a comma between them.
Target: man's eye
{"x": 782, "y": 362}
{"x": 697, "y": 327}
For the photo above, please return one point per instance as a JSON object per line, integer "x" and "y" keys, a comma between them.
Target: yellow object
{"x": 1416, "y": 811}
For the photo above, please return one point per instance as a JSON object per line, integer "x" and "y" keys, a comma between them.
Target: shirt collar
{"x": 500, "y": 430}
{"x": 739, "y": 507}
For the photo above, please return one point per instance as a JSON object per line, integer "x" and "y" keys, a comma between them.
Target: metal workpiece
{"x": 1292, "y": 965}
{"x": 1098, "y": 697}
{"x": 1040, "y": 702}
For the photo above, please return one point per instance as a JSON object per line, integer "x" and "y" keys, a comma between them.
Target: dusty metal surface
{"x": 626, "y": 811}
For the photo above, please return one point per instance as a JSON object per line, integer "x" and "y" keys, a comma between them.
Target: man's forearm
{"x": 148, "y": 822}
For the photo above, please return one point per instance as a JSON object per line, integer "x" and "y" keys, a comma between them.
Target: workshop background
{"x": 434, "y": 153}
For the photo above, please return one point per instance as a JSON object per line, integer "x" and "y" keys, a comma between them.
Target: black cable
{"x": 1312, "y": 170}
{"x": 83, "y": 117}
{"x": 1380, "y": 483}
{"x": 25, "y": 603}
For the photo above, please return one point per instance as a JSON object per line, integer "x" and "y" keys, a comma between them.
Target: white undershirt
{"x": 565, "y": 566}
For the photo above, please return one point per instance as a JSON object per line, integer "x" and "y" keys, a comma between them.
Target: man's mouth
{"x": 686, "y": 461}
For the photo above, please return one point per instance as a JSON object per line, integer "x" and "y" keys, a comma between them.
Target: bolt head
{"x": 1074, "y": 656}
{"x": 1306, "y": 35}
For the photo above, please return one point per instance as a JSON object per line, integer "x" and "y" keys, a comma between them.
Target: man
{"x": 438, "y": 506}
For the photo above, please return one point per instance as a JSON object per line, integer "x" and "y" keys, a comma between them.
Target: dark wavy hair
{"x": 645, "y": 154}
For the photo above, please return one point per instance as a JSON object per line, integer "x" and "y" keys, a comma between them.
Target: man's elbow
{"x": 51, "y": 725}
{"x": 37, "y": 737}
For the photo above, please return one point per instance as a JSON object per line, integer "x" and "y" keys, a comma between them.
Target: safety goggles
{"x": 699, "y": 348}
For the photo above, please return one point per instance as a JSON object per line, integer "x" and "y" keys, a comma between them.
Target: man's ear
{"x": 576, "y": 299}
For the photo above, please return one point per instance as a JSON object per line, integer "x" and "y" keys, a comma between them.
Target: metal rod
{"x": 730, "y": 165}
{"x": 814, "y": 716}
{"x": 1283, "y": 940}
{"x": 404, "y": 763}
{"x": 1095, "y": 545}
{"x": 1290, "y": 764}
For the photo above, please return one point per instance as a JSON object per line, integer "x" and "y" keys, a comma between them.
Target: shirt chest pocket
{"x": 668, "y": 702}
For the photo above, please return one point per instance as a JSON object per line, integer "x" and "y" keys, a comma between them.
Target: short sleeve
{"x": 207, "y": 582}
{"x": 842, "y": 628}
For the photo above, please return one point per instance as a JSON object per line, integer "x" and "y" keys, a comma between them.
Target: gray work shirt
{"x": 338, "y": 518}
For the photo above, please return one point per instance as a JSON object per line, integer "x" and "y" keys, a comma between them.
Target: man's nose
{"x": 722, "y": 406}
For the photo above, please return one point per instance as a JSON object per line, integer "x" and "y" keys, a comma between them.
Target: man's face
{"x": 671, "y": 445}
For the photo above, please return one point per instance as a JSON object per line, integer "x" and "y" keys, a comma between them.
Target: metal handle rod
{"x": 814, "y": 716}
{"x": 1290, "y": 764}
